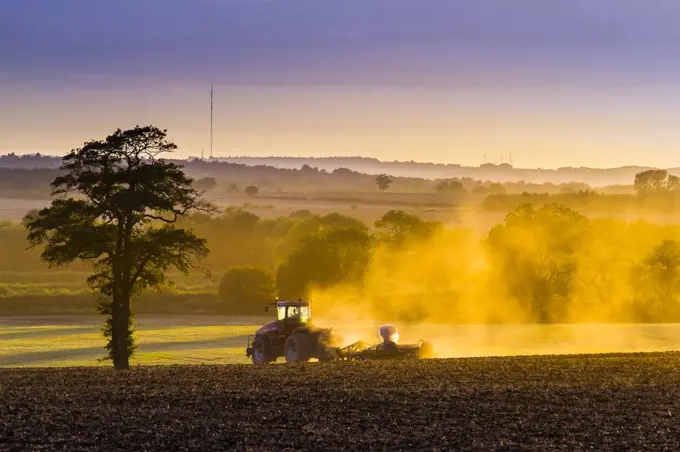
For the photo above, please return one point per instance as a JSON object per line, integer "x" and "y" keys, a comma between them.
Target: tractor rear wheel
{"x": 299, "y": 348}
{"x": 262, "y": 351}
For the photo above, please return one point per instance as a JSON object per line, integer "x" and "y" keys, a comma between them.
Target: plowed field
{"x": 616, "y": 402}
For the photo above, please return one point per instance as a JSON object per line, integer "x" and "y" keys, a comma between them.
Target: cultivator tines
{"x": 387, "y": 350}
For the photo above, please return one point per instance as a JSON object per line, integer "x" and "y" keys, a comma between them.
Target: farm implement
{"x": 293, "y": 336}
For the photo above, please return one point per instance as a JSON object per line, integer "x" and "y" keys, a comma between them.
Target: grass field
{"x": 602, "y": 402}
{"x": 204, "y": 339}
{"x": 77, "y": 341}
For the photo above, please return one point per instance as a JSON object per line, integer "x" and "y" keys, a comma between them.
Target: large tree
{"x": 332, "y": 256}
{"x": 656, "y": 281}
{"x": 397, "y": 226}
{"x": 656, "y": 182}
{"x": 116, "y": 206}
{"x": 245, "y": 288}
{"x": 535, "y": 252}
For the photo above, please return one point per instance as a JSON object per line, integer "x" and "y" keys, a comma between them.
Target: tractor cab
{"x": 293, "y": 312}
{"x": 289, "y": 315}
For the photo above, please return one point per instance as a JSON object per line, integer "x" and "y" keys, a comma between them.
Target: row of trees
{"x": 654, "y": 190}
{"x": 549, "y": 261}
{"x": 290, "y": 255}
{"x": 34, "y": 183}
{"x": 544, "y": 263}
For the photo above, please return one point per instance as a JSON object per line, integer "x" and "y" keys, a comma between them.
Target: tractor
{"x": 291, "y": 335}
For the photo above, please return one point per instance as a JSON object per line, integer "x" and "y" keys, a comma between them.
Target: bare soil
{"x": 602, "y": 402}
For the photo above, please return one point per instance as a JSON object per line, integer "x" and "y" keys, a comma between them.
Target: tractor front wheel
{"x": 262, "y": 351}
{"x": 298, "y": 348}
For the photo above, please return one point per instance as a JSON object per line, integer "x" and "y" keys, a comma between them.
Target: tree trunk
{"x": 115, "y": 332}
{"x": 124, "y": 288}
{"x": 120, "y": 309}
{"x": 121, "y": 331}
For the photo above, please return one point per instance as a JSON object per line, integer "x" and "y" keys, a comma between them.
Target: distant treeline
{"x": 231, "y": 178}
{"x": 587, "y": 201}
{"x": 26, "y": 183}
{"x": 503, "y": 172}
{"x": 544, "y": 263}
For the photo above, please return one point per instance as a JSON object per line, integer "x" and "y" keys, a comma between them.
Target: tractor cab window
{"x": 299, "y": 313}
{"x": 281, "y": 312}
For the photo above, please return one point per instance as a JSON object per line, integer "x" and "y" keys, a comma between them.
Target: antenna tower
{"x": 211, "y": 121}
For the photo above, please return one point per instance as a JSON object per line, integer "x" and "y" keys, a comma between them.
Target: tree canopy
{"x": 115, "y": 207}
{"x": 246, "y": 286}
{"x": 383, "y": 181}
{"x": 535, "y": 250}
{"x": 396, "y": 226}
{"x": 656, "y": 182}
{"x": 338, "y": 254}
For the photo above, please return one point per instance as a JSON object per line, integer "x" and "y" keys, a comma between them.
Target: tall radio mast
{"x": 211, "y": 121}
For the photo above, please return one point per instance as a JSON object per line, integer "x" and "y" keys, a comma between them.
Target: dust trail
{"x": 478, "y": 294}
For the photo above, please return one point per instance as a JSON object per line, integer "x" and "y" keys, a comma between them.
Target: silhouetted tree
{"x": 396, "y": 226}
{"x": 655, "y": 182}
{"x": 244, "y": 287}
{"x": 383, "y": 182}
{"x": 535, "y": 250}
{"x": 657, "y": 280}
{"x": 116, "y": 207}
{"x": 333, "y": 256}
{"x": 311, "y": 226}
{"x": 454, "y": 188}
{"x": 252, "y": 190}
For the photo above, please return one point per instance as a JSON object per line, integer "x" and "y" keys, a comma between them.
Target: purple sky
{"x": 597, "y": 79}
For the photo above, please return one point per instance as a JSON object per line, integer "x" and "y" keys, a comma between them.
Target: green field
{"x": 162, "y": 340}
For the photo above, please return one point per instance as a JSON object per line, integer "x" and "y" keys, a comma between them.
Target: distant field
{"x": 77, "y": 340}
{"x": 15, "y": 209}
{"x": 367, "y": 207}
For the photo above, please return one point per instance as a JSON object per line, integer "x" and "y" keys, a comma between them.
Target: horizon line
{"x": 377, "y": 160}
